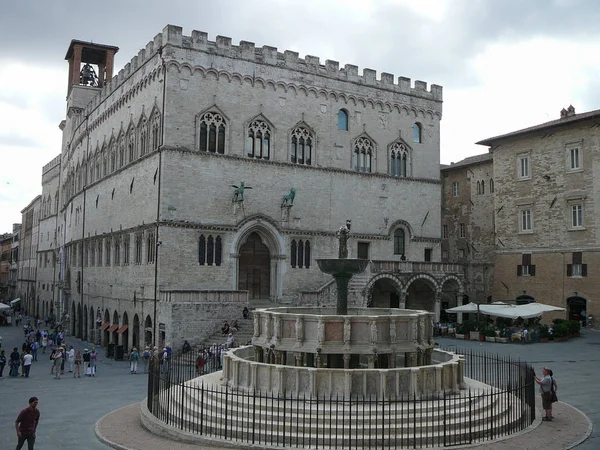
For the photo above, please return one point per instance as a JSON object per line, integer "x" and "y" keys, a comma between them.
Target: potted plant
{"x": 544, "y": 332}
{"x": 463, "y": 330}
{"x": 574, "y": 327}
{"x": 489, "y": 334}
{"x": 561, "y": 331}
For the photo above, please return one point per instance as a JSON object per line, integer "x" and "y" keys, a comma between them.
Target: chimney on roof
{"x": 570, "y": 111}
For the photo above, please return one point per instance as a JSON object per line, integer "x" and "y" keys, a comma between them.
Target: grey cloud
{"x": 15, "y": 140}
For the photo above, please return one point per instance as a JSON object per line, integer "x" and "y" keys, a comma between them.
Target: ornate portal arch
{"x": 259, "y": 230}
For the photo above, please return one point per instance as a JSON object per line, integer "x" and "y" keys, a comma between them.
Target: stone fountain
{"x": 326, "y": 378}
{"x": 321, "y": 351}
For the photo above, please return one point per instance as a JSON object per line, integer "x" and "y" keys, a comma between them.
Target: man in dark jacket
{"x": 15, "y": 360}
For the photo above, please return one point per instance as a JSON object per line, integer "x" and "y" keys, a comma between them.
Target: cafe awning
{"x": 104, "y": 326}
{"x": 15, "y": 301}
{"x": 122, "y": 329}
{"x": 113, "y": 327}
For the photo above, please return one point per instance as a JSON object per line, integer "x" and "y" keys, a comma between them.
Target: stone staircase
{"x": 246, "y": 330}
{"x": 452, "y": 420}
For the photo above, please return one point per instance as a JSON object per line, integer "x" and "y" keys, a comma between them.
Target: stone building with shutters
{"x": 545, "y": 199}
{"x": 206, "y": 176}
{"x": 468, "y": 224}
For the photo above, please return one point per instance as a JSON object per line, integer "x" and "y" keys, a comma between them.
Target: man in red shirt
{"x": 26, "y": 424}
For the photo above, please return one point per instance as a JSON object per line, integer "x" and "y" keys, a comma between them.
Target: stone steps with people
{"x": 245, "y": 330}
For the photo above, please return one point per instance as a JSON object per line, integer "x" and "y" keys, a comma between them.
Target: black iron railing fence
{"x": 499, "y": 401}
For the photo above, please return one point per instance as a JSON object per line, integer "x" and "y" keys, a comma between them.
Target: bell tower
{"x": 90, "y": 64}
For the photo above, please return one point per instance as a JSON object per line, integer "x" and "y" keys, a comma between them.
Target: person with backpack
{"x": 134, "y": 357}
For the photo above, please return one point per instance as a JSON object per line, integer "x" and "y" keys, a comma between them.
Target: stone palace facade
{"x": 205, "y": 176}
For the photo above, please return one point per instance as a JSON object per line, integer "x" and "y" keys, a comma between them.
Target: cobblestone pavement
{"x": 71, "y": 407}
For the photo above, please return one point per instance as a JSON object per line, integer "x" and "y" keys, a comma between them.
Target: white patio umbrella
{"x": 483, "y": 308}
{"x": 4, "y": 307}
{"x": 526, "y": 311}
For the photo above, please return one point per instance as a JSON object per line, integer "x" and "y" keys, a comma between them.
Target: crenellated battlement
{"x": 222, "y": 45}
{"x": 53, "y": 163}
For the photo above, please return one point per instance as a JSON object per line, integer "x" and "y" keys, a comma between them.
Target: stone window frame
{"x": 525, "y": 219}
{"x": 143, "y": 136}
{"x": 524, "y": 166}
{"x": 343, "y": 120}
{"x": 574, "y": 156}
{"x": 300, "y": 135}
{"x": 130, "y": 139}
{"x": 444, "y": 231}
{"x": 155, "y": 130}
{"x": 99, "y": 254}
{"x": 577, "y": 269}
{"x": 363, "y": 145}
{"x": 526, "y": 269}
{"x": 210, "y": 250}
{"x": 400, "y": 159}
{"x": 126, "y": 249}
{"x": 254, "y": 140}
{"x": 300, "y": 253}
{"x": 117, "y": 251}
{"x": 150, "y": 247}
{"x": 455, "y": 189}
{"x": 491, "y": 186}
{"x": 417, "y": 132}
{"x": 107, "y": 251}
{"x": 138, "y": 248}
{"x": 462, "y": 231}
{"x": 399, "y": 238}
{"x": 212, "y": 116}
{"x": 576, "y": 210}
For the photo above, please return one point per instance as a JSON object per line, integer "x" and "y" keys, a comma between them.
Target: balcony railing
{"x": 435, "y": 268}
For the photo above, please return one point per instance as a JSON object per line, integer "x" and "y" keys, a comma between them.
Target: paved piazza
{"x": 71, "y": 407}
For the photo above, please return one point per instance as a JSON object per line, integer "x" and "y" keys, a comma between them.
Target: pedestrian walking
{"x": 77, "y": 366}
{"x": 26, "y": 424}
{"x": 52, "y": 353}
{"x": 2, "y": 362}
{"x": 15, "y": 358}
{"x": 93, "y": 361}
{"x": 134, "y": 356}
{"x": 70, "y": 359}
{"x": 27, "y": 361}
{"x": 58, "y": 360}
{"x": 44, "y": 341}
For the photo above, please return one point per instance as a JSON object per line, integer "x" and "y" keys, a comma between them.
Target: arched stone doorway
{"x": 451, "y": 295}
{"x": 135, "y": 332}
{"x": 577, "y": 308}
{"x": 148, "y": 330}
{"x": 421, "y": 293}
{"x": 384, "y": 292}
{"x": 254, "y": 270}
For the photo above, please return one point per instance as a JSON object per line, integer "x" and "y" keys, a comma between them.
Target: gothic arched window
{"x": 363, "y": 153}
{"x": 301, "y": 146}
{"x": 218, "y": 251}
{"x": 343, "y": 120}
{"x": 211, "y": 133}
{"x": 155, "y": 131}
{"x": 210, "y": 251}
{"x": 417, "y": 133}
{"x": 293, "y": 253}
{"x": 258, "y": 140}
{"x": 143, "y": 137}
{"x": 398, "y": 160}
{"x": 202, "y": 250}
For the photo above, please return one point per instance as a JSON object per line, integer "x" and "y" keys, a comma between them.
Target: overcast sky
{"x": 503, "y": 64}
